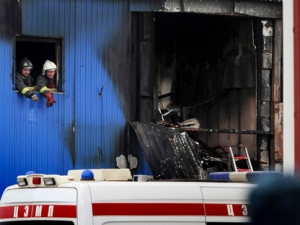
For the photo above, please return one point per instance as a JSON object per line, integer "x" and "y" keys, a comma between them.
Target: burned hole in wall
{"x": 203, "y": 62}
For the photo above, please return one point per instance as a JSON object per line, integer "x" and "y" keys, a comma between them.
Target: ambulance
{"x": 114, "y": 197}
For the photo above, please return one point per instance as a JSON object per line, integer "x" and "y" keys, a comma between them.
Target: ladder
{"x": 236, "y": 158}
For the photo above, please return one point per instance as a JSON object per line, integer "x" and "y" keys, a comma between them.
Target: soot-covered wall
{"x": 206, "y": 69}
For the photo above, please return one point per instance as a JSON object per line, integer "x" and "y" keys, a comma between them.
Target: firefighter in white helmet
{"x": 24, "y": 80}
{"x": 47, "y": 80}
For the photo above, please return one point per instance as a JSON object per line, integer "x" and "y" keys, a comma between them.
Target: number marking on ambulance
{"x": 226, "y": 209}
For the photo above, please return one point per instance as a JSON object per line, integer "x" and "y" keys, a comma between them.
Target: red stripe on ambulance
{"x": 226, "y": 209}
{"x": 169, "y": 209}
{"x": 148, "y": 209}
{"x": 38, "y": 211}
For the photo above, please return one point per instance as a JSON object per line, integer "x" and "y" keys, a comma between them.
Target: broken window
{"x": 38, "y": 50}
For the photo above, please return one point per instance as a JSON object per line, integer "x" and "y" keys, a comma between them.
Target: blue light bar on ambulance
{"x": 101, "y": 174}
{"x": 87, "y": 175}
{"x": 30, "y": 172}
{"x": 252, "y": 177}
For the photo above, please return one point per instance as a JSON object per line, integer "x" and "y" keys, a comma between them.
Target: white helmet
{"x": 48, "y": 65}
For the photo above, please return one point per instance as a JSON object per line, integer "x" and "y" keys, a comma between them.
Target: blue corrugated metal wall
{"x": 95, "y": 57}
{"x": 9, "y": 128}
{"x": 98, "y": 119}
{"x": 91, "y": 34}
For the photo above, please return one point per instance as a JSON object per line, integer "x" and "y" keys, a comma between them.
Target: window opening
{"x": 38, "y": 50}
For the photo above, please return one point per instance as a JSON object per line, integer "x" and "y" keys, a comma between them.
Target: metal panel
{"x": 50, "y": 139}
{"x": 147, "y": 5}
{"x": 204, "y": 6}
{"x": 101, "y": 83}
{"x": 259, "y": 9}
{"x": 89, "y": 116}
{"x": 8, "y": 98}
{"x": 170, "y": 153}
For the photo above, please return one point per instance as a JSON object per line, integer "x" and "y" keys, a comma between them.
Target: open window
{"x": 38, "y": 50}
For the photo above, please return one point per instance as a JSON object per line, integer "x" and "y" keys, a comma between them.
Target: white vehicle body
{"x": 125, "y": 202}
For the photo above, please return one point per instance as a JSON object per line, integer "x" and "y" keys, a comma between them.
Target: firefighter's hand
{"x": 50, "y": 99}
{"x": 28, "y": 94}
{"x": 34, "y": 98}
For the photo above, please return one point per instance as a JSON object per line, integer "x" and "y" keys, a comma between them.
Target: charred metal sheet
{"x": 267, "y": 60}
{"x": 259, "y": 9}
{"x": 226, "y": 131}
{"x": 264, "y": 159}
{"x": 265, "y": 124}
{"x": 277, "y": 62}
{"x": 170, "y": 153}
{"x": 278, "y": 146}
{"x": 265, "y": 93}
{"x": 268, "y": 44}
{"x": 239, "y": 70}
{"x": 277, "y": 93}
{"x": 265, "y": 77}
{"x": 205, "y": 6}
{"x": 146, "y": 79}
{"x": 265, "y": 109}
{"x": 264, "y": 9}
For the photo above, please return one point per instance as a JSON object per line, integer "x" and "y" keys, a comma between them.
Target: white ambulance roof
{"x": 15, "y": 195}
{"x": 168, "y": 191}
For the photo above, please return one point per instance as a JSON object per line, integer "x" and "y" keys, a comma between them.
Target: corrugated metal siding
{"x": 96, "y": 55}
{"x": 100, "y": 64}
{"x": 51, "y": 128}
{"x": 10, "y": 126}
{"x": 90, "y": 30}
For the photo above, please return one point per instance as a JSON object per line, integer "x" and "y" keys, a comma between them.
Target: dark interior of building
{"x": 205, "y": 58}
{"x": 36, "y": 52}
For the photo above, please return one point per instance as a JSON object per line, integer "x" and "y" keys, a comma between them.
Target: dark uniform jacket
{"x": 43, "y": 83}
{"x": 23, "y": 82}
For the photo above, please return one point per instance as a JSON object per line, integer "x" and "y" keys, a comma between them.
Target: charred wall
{"x": 206, "y": 68}
{"x": 210, "y": 65}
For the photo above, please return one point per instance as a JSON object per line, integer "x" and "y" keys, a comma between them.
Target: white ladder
{"x": 236, "y": 158}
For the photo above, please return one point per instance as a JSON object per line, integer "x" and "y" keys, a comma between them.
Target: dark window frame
{"x": 44, "y": 48}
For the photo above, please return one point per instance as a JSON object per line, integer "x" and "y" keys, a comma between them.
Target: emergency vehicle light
{"x": 49, "y": 181}
{"x": 252, "y": 177}
{"x": 31, "y": 180}
{"x": 30, "y": 172}
{"x": 54, "y": 179}
{"x": 87, "y": 175}
{"x": 22, "y": 181}
{"x": 36, "y": 180}
{"x": 102, "y": 174}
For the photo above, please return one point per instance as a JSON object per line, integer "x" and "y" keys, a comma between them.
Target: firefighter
{"x": 24, "y": 80}
{"x": 47, "y": 80}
